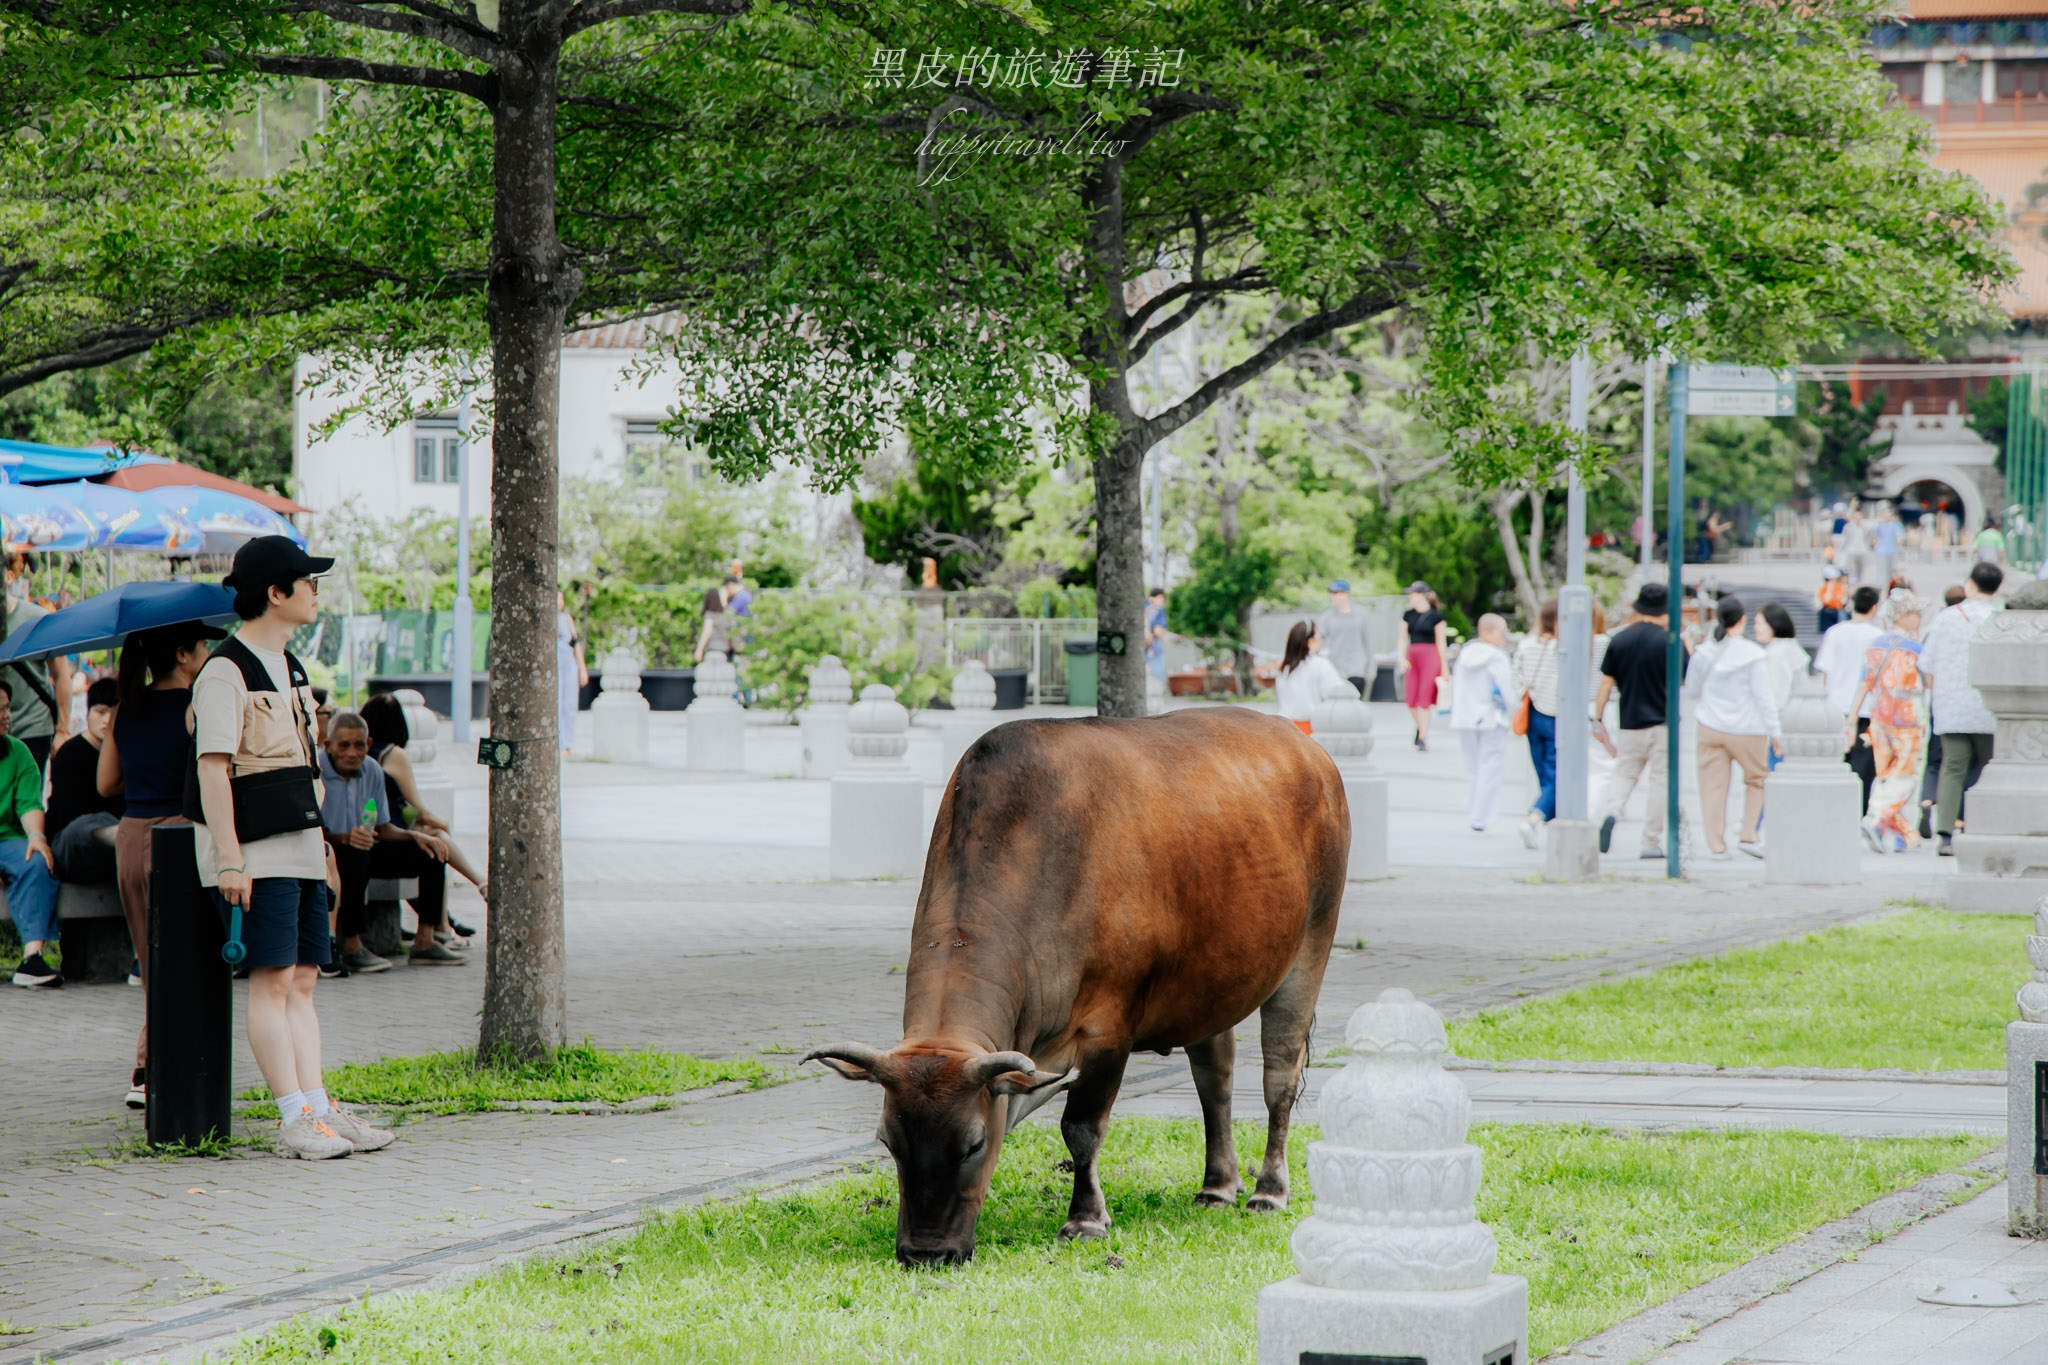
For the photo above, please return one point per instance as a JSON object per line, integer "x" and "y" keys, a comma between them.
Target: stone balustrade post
{"x": 717, "y": 722}
{"x": 973, "y": 714}
{"x": 2002, "y": 853}
{"x": 1815, "y": 800}
{"x": 1393, "y": 1263}
{"x": 618, "y": 718}
{"x": 822, "y": 723}
{"x": 2026, "y": 1092}
{"x": 1343, "y": 726}
{"x": 878, "y": 827}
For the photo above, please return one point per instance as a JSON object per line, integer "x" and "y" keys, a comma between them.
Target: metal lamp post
{"x": 1571, "y": 851}
{"x": 458, "y": 691}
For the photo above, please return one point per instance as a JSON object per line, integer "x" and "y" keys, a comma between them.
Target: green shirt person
{"x": 1990, "y": 542}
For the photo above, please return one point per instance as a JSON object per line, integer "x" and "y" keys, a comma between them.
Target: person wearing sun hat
{"x": 255, "y": 795}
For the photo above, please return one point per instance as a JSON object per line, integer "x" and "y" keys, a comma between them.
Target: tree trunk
{"x": 532, "y": 284}
{"x": 1537, "y": 585}
{"x": 1504, "y": 501}
{"x": 1119, "y": 466}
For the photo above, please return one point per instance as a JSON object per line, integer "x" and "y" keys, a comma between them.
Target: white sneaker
{"x": 1530, "y": 829}
{"x": 1724, "y": 856}
{"x": 1873, "y": 838}
{"x": 308, "y": 1139}
{"x": 1755, "y": 850}
{"x": 360, "y": 1135}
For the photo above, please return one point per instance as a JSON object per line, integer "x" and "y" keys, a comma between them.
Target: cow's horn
{"x": 986, "y": 1069}
{"x": 847, "y": 1058}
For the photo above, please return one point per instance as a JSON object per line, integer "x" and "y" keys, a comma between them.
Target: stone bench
{"x": 381, "y": 915}
{"x": 92, "y": 930}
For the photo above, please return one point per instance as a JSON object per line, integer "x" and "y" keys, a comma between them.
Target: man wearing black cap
{"x": 1635, "y": 663}
{"x": 259, "y": 842}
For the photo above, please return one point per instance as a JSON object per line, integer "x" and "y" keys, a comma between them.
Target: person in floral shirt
{"x": 1898, "y": 723}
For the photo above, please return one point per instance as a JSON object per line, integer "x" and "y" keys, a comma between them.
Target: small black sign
{"x": 1109, "y": 642}
{"x": 2041, "y": 1118}
{"x": 494, "y": 753}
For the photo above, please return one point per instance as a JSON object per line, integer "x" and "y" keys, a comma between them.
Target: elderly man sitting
{"x": 356, "y": 821}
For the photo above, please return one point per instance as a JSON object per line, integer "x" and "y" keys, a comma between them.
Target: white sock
{"x": 288, "y": 1106}
{"x": 318, "y": 1099}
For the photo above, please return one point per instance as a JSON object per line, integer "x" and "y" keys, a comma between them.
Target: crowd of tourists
{"x": 298, "y": 807}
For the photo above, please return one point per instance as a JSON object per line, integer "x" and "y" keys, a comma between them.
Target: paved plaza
{"x": 699, "y": 919}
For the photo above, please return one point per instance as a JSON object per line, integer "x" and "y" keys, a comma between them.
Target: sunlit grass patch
{"x": 1603, "y": 1223}
{"x": 1922, "y": 991}
{"x": 582, "y": 1073}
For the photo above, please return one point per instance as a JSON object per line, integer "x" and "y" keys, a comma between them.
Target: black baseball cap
{"x": 273, "y": 559}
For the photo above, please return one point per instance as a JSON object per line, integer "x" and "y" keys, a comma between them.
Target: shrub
{"x": 875, "y": 637}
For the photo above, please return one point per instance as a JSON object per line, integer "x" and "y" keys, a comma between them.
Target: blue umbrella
{"x": 225, "y": 519}
{"x": 40, "y": 520}
{"x": 130, "y": 521}
{"x": 104, "y": 621}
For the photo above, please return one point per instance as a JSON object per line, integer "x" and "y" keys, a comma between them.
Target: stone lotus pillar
{"x": 822, "y": 722}
{"x": 973, "y": 714}
{"x": 2002, "y": 853}
{"x": 877, "y": 801}
{"x": 1343, "y": 726}
{"x": 1392, "y": 1263}
{"x": 2026, "y": 1092}
{"x": 717, "y": 722}
{"x": 618, "y": 718}
{"x": 1813, "y": 801}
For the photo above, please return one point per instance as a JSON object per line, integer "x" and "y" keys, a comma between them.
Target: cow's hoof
{"x": 1225, "y": 1198}
{"x": 1266, "y": 1203}
{"x": 1083, "y": 1230}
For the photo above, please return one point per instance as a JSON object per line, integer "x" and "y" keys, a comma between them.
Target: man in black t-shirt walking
{"x": 1635, "y": 663}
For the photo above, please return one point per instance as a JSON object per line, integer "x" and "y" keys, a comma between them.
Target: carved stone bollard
{"x": 2026, "y": 1092}
{"x": 1392, "y": 1262}
{"x": 618, "y": 718}
{"x": 1814, "y": 799}
{"x": 822, "y": 722}
{"x": 718, "y": 724}
{"x": 2002, "y": 853}
{"x": 973, "y": 714}
{"x": 1343, "y": 726}
{"x": 877, "y": 801}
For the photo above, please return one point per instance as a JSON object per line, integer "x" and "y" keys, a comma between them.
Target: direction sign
{"x": 1741, "y": 391}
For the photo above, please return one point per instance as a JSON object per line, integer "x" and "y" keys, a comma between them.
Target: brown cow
{"x": 1095, "y": 887}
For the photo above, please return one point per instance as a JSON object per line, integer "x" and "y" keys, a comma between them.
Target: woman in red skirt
{"x": 1422, "y": 663}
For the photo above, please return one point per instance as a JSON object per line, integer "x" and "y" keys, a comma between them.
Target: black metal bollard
{"x": 191, "y": 1000}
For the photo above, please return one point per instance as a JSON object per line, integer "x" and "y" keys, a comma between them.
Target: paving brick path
{"x": 697, "y": 920}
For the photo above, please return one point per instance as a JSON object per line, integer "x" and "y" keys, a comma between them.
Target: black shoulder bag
{"x": 281, "y": 800}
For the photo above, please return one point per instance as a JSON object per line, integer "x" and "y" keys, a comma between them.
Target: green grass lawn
{"x": 452, "y": 1082}
{"x": 1603, "y": 1224}
{"x": 1923, "y": 991}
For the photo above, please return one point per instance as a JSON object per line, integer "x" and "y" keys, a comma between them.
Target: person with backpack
{"x": 254, "y": 791}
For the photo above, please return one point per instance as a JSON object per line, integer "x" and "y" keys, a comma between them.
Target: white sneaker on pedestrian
{"x": 1530, "y": 829}
{"x": 360, "y": 1135}
{"x": 1724, "y": 856}
{"x": 308, "y": 1139}
{"x": 1754, "y": 850}
{"x": 1873, "y": 838}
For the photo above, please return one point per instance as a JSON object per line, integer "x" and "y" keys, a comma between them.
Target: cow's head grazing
{"x": 944, "y": 1115}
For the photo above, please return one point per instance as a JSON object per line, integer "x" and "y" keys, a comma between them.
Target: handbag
{"x": 276, "y": 801}
{"x": 1519, "y": 722}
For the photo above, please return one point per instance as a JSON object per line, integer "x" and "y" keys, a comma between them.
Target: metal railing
{"x": 1035, "y": 644}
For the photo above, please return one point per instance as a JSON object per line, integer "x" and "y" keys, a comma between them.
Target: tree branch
{"x": 1165, "y": 111}
{"x": 591, "y": 13}
{"x": 426, "y": 21}
{"x": 473, "y": 84}
{"x": 1362, "y": 305}
{"x": 1249, "y": 277}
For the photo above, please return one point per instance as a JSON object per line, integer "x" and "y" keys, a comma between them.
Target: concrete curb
{"x": 1748, "y": 1073}
{"x": 1677, "y": 1319}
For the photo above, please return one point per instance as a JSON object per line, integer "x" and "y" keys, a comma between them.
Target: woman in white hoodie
{"x": 1306, "y": 677}
{"x": 1738, "y": 717}
{"x": 1481, "y": 684}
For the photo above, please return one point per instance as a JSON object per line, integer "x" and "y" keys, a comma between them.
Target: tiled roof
{"x": 1927, "y": 10}
{"x": 629, "y": 335}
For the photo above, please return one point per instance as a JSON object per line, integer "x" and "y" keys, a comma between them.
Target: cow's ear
{"x": 855, "y": 1061}
{"x": 1031, "y": 1082}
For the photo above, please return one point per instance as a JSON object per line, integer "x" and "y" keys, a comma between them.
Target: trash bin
{"x": 1010, "y": 687}
{"x": 191, "y": 1002}
{"x": 1081, "y": 672}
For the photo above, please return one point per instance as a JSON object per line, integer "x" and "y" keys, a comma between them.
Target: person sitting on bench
{"x": 367, "y": 843}
{"x": 79, "y": 821}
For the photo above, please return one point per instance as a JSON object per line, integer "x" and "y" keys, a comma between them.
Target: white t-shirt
{"x": 1312, "y": 680}
{"x": 219, "y": 700}
{"x": 1841, "y": 660}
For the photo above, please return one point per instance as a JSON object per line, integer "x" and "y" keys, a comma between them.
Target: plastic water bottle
{"x": 369, "y": 820}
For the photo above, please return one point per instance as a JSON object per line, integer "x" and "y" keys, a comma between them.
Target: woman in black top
{"x": 143, "y": 759}
{"x": 1426, "y": 660}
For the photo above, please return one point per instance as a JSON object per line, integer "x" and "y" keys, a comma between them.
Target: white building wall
{"x": 601, "y": 392}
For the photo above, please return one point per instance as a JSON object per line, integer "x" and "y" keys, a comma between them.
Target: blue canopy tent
{"x": 43, "y": 520}
{"x": 224, "y": 519}
{"x": 32, "y": 462}
{"x": 130, "y": 521}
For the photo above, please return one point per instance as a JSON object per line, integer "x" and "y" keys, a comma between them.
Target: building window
{"x": 436, "y": 451}
{"x": 652, "y": 455}
{"x": 1906, "y": 80}
{"x": 2024, "y": 79}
